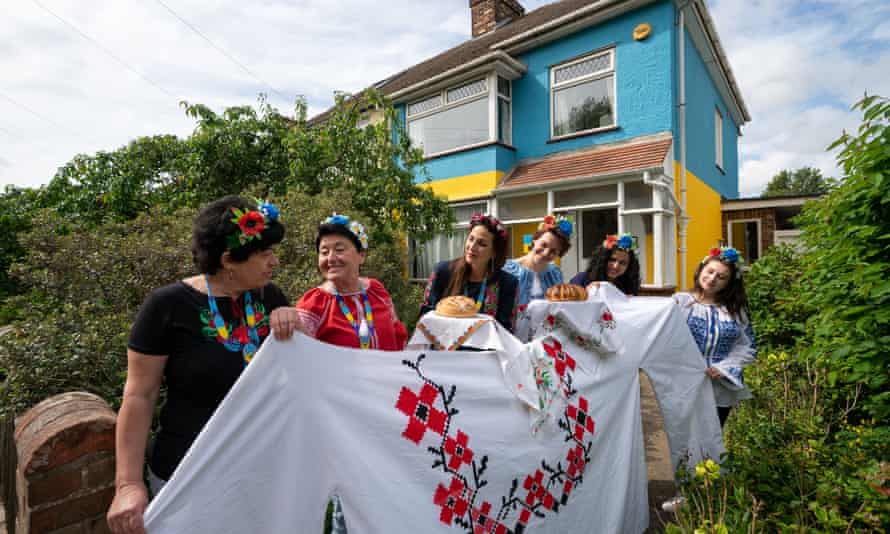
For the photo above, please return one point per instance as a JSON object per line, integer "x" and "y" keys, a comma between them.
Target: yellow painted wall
{"x": 650, "y": 260}
{"x": 704, "y": 229}
{"x": 518, "y": 231}
{"x": 463, "y": 187}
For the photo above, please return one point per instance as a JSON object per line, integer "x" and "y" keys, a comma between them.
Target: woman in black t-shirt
{"x": 196, "y": 336}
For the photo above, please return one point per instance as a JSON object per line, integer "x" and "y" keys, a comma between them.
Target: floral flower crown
{"x": 622, "y": 242}
{"x": 355, "y": 227}
{"x": 490, "y": 220}
{"x": 726, "y": 255}
{"x": 251, "y": 223}
{"x": 557, "y": 222}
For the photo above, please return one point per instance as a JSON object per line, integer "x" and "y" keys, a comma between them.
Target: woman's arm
{"x": 144, "y": 374}
{"x": 435, "y": 286}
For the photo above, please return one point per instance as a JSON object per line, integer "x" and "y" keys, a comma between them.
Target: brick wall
{"x": 65, "y": 476}
{"x": 486, "y": 14}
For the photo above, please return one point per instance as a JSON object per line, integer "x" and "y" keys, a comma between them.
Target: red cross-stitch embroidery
{"x": 456, "y": 459}
{"x": 421, "y": 413}
{"x": 458, "y": 451}
{"x": 583, "y": 421}
{"x": 451, "y": 500}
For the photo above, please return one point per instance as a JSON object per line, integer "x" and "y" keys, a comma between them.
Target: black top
{"x": 174, "y": 322}
{"x": 501, "y": 293}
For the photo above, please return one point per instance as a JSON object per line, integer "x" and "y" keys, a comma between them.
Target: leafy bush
{"x": 86, "y": 285}
{"x": 774, "y": 287}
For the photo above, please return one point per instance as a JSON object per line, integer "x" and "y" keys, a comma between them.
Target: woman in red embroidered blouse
{"x": 346, "y": 310}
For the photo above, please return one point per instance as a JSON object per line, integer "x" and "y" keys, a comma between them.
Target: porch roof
{"x": 636, "y": 155}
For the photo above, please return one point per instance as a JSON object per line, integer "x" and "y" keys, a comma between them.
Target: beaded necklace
{"x": 365, "y": 329}
{"x": 247, "y": 349}
{"x": 480, "y": 298}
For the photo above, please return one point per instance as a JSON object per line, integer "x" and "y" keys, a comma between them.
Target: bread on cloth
{"x": 456, "y": 306}
{"x": 566, "y": 292}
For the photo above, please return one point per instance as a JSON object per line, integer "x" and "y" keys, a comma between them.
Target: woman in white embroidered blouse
{"x": 716, "y": 311}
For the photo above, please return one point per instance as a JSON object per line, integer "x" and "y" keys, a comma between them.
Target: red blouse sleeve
{"x": 391, "y": 333}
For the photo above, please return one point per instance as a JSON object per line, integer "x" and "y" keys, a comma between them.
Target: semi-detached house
{"x": 622, "y": 114}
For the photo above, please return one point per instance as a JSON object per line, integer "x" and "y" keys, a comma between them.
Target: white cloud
{"x": 800, "y": 65}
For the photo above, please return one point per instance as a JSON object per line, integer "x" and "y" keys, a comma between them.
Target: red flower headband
{"x": 489, "y": 220}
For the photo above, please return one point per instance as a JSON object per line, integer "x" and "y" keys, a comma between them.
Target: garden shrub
{"x": 85, "y": 285}
{"x": 811, "y": 451}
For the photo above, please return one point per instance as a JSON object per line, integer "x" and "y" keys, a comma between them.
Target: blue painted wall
{"x": 644, "y": 82}
{"x": 701, "y": 100}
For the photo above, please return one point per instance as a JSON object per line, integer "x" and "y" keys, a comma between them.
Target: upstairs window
{"x": 718, "y": 138}
{"x": 583, "y": 94}
{"x": 505, "y": 126}
{"x": 455, "y": 118}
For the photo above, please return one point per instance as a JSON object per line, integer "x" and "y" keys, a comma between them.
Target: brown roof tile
{"x": 596, "y": 161}
{"x": 472, "y": 49}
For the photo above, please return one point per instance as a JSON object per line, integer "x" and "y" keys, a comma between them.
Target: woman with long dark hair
{"x": 616, "y": 262}
{"x": 716, "y": 311}
{"x": 478, "y": 274}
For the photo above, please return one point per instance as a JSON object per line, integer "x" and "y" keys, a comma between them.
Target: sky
{"x": 79, "y": 76}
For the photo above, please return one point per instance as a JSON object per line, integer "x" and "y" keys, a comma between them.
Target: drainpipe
{"x": 684, "y": 218}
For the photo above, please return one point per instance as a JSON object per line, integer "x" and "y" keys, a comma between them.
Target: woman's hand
{"x": 125, "y": 514}
{"x": 713, "y": 373}
{"x": 284, "y": 321}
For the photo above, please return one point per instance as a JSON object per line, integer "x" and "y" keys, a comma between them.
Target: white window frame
{"x": 718, "y": 138}
{"x": 445, "y": 106}
{"x": 554, "y": 87}
{"x": 508, "y": 139}
{"x": 466, "y": 224}
{"x": 729, "y": 241}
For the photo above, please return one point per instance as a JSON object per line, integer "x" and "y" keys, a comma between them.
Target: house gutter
{"x": 559, "y": 22}
{"x": 497, "y": 55}
{"x": 681, "y": 105}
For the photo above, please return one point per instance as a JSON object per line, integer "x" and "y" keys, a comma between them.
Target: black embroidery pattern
{"x": 545, "y": 490}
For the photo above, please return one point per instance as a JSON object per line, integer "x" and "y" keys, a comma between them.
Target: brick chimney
{"x": 489, "y": 14}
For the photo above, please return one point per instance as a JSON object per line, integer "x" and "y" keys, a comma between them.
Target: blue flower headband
{"x": 624, "y": 242}
{"x": 559, "y": 222}
{"x": 726, "y": 255}
{"x": 354, "y": 227}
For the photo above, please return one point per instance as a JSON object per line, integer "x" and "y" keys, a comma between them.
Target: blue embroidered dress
{"x": 725, "y": 343}
{"x": 527, "y": 290}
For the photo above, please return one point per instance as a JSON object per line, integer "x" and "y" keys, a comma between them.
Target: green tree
{"x": 803, "y": 181}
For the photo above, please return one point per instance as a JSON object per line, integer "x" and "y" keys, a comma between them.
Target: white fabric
{"x": 308, "y": 420}
{"x": 515, "y": 367}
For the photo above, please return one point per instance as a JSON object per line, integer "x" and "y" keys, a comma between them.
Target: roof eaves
{"x": 560, "y": 26}
{"x": 498, "y": 55}
{"x": 711, "y": 31}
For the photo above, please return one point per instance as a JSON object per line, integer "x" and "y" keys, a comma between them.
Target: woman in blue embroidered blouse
{"x": 716, "y": 311}
{"x": 535, "y": 270}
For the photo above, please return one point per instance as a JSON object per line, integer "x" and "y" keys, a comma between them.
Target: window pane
{"x": 440, "y": 248}
{"x": 459, "y": 126}
{"x": 425, "y": 105}
{"x": 637, "y": 196}
{"x": 583, "y": 107}
{"x": 470, "y": 89}
{"x": 504, "y": 87}
{"x": 589, "y": 195}
{"x": 463, "y": 213}
{"x": 595, "y": 225}
{"x": 504, "y": 121}
{"x": 584, "y": 68}
{"x": 530, "y": 207}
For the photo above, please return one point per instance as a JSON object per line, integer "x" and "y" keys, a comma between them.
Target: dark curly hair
{"x": 211, "y": 230}
{"x": 733, "y": 296}
{"x": 460, "y": 269}
{"x": 564, "y": 243}
{"x": 597, "y": 270}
